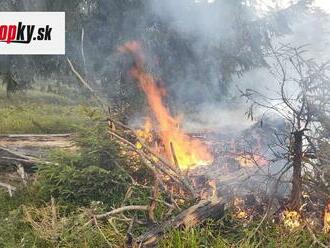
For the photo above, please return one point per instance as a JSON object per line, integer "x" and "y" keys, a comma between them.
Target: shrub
{"x": 98, "y": 171}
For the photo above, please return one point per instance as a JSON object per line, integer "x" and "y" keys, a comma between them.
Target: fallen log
{"x": 28, "y": 149}
{"x": 20, "y": 137}
{"x": 193, "y": 216}
{"x": 11, "y": 157}
{"x": 28, "y": 141}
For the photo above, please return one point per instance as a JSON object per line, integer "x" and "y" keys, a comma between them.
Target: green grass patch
{"x": 40, "y": 113}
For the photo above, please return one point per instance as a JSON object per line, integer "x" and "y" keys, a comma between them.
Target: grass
{"x": 27, "y": 222}
{"x": 39, "y": 112}
{"x": 228, "y": 234}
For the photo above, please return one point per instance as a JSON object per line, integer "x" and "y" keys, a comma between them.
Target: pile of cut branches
{"x": 168, "y": 180}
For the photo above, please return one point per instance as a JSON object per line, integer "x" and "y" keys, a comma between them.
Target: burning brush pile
{"x": 178, "y": 147}
{"x": 187, "y": 151}
{"x": 214, "y": 167}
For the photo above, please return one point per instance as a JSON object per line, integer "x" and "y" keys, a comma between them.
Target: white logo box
{"x": 52, "y": 23}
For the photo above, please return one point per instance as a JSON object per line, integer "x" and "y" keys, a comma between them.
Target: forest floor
{"x": 49, "y": 211}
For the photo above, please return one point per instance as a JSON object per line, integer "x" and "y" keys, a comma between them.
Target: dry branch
{"x": 164, "y": 166}
{"x": 153, "y": 203}
{"x": 8, "y": 187}
{"x": 122, "y": 209}
{"x": 144, "y": 146}
{"x": 86, "y": 85}
{"x": 149, "y": 161}
{"x": 146, "y": 153}
{"x": 34, "y": 143}
{"x": 193, "y": 216}
{"x": 13, "y": 157}
{"x": 174, "y": 155}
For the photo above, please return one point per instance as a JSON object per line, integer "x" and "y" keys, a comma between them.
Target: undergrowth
{"x": 91, "y": 180}
{"x": 48, "y": 224}
{"x": 228, "y": 233}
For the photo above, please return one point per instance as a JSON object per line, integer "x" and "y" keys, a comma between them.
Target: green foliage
{"x": 81, "y": 186}
{"x": 22, "y": 196}
{"x": 93, "y": 173}
{"x": 88, "y": 180}
{"x": 85, "y": 176}
{"x": 97, "y": 171}
{"x": 14, "y": 232}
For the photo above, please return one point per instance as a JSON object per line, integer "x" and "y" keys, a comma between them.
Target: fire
{"x": 213, "y": 186}
{"x": 178, "y": 146}
{"x": 145, "y": 134}
{"x": 241, "y": 215}
{"x": 250, "y": 161}
{"x": 239, "y": 205}
{"x": 326, "y": 219}
{"x": 291, "y": 219}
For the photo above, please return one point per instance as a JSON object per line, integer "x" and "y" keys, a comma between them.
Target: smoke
{"x": 310, "y": 31}
{"x": 211, "y": 24}
{"x": 218, "y": 117}
{"x": 197, "y": 48}
{"x": 202, "y": 50}
{"x": 215, "y": 24}
{"x": 206, "y": 22}
{"x": 200, "y": 85}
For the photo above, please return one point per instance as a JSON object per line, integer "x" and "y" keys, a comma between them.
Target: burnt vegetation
{"x": 118, "y": 143}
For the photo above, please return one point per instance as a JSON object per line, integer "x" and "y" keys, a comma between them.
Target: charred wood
{"x": 193, "y": 216}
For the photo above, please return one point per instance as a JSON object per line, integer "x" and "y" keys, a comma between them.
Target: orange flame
{"x": 251, "y": 160}
{"x": 291, "y": 219}
{"x": 239, "y": 205}
{"x": 146, "y": 132}
{"x": 326, "y": 219}
{"x": 188, "y": 151}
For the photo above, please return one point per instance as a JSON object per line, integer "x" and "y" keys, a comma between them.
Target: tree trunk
{"x": 295, "y": 200}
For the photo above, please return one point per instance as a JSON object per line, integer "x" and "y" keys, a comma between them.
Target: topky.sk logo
{"x": 32, "y": 33}
{"x": 21, "y": 33}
